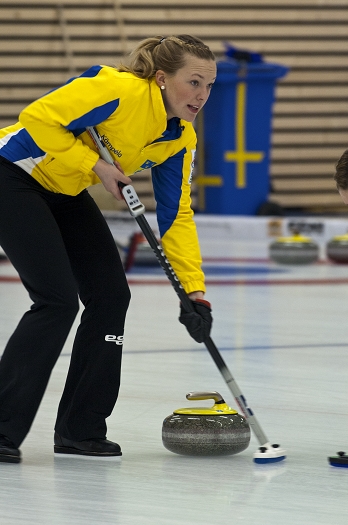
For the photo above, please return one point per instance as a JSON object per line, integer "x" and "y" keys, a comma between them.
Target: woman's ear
{"x": 161, "y": 79}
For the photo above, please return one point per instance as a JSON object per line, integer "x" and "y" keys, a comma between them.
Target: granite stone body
{"x": 337, "y": 249}
{"x": 294, "y": 252}
{"x": 205, "y": 435}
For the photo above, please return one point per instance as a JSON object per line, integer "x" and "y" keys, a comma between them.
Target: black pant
{"x": 63, "y": 250}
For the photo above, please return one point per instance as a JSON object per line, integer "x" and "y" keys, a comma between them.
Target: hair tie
{"x": 160, "y": 42}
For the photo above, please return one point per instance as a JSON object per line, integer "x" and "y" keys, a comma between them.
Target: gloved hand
{"x": 199, "y": 322}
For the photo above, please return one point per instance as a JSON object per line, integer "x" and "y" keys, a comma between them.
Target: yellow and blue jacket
{"x": 50, "y": 143}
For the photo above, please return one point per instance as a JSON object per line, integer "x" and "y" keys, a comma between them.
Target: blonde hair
{"x": 165, "y": 53}
{"x": 341, "y": 175}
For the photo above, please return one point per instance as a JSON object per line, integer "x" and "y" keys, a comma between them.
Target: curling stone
{"x": 296, "y": 249}
{"x": 137, "y": 252}
{"x": 337, "y": 249}
{"x": 205, "y": 431}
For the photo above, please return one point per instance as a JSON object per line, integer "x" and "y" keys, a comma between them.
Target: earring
{"x": 163, "y": 87}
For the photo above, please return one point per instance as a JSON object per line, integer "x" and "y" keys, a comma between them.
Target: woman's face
{"x": 187, "y": 91}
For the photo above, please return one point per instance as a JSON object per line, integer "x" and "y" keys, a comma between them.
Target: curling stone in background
{"x": 204, "y": 431}
{"x": 337, "y": 249}
{"x": 296, "y": 249}
{"x": 137, "y": 252}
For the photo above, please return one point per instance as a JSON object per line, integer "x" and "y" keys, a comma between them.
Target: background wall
{"x": 42, "y": 43}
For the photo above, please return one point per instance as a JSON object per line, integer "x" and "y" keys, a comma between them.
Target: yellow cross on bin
{"x": 203, "y": 180}
{"x": 240, "y": 156}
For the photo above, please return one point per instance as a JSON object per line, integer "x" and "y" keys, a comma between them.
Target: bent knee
{"x": 119, "y": 297}
{"x": 108, "y": 298}
{"x": 64, "y": 306}
{"x": 71, "y": 306}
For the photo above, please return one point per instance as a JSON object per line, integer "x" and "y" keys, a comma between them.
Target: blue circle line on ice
{"x": 210, "y": 270}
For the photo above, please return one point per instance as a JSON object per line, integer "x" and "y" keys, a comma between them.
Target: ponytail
{"x": 165, "y": 53}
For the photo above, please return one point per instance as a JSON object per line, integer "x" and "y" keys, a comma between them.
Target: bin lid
{"x": 231, "y": 69}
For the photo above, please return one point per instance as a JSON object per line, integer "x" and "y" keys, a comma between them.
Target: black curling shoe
{"x": 90, "y": 448}
{"x": 9, "y": 453}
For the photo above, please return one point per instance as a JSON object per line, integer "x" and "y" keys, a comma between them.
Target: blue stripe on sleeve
{"x": 93, "y": 117}
{"x": 96, "y": 115}
{"x": 90, "y": 73}
{"x": 167, "y": 180}
{"x": 21, "y": 146}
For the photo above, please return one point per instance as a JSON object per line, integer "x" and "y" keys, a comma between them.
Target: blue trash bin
{"x": 237, "y": 137}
